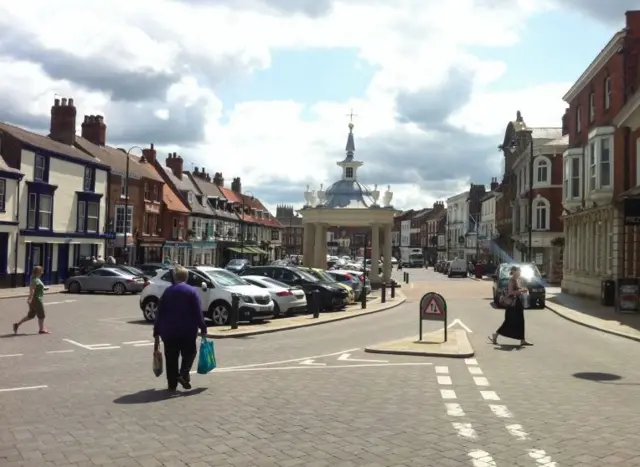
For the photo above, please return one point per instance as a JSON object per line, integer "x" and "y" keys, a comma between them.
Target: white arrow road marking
{"x": 462, "y": 325}
{"x": 314, "y": 367}
{"x": 11, "y": 355}
{"x": 465, "y": 430}
{"x": 60, "y": 302}
{"x": 60, "y": 351}
{"x": 293, "y": 360}
{"x": 471, "y": 361}
{"x": 517, "y": 432}
{"x": 481, "y": 458}
{"x": 136, "y": 342}
{"x": 541, "y": 458}
{"x": 346, "y": 357}
{"x": 92, "y": 346}
{"x": 311, "y": 361}
{"x": 454, "y": 410}
{"x": 500, "y": 411}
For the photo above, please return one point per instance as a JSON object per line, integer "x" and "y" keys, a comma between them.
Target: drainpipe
{"x": 14, "y": 282}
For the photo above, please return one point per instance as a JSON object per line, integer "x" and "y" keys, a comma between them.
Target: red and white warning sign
{"x": 433, "y": 306}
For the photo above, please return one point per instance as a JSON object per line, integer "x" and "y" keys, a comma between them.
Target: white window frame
{"x": 535, "y": 219}
{"x": 607, "y": 92}
{"x": 592, "y": 166}
{"x": 574, "y": 180}
{"x": 81, "y": 216}
{"x": 42, "y": 212}
{"x": 88, "y": 179}
{"x": 579, "y": 119}
{"x": 39, "y": 167}
{"x": 592, "y": 106}
{"x": 120, "y": 211}
{"x": 31, "y": 208}
{"x": 539, "y": 163}
{"x": 597, "y": 140}
{"x": 146, "y": 191}
{"x": 93, "y": 220}
{"x": 348, "y": 172}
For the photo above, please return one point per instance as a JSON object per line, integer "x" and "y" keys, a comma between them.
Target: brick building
{"x": 429, "y": 232}
{"x": 599, "y": 165}
{"x": 417, "y": 234}
{"x": 293, "y": 230}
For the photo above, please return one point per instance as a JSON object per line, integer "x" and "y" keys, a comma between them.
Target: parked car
{"x": 104, "y": 279}
{"x": 287, "y": 300}
{"x": 151, "y": 269}
{"x": 457, "y": 267}
{"x": 237, "y": 265}
{"x": 332, "y": 296}
{"x": 215, "y": 287}
{"x": 354, "y": 279}
{"x": 324, "y": 276}
{"x": 530, "y": 274}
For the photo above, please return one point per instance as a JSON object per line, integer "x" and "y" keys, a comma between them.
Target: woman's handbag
{"x": 207, "y": 357}
{"x": 506, "y": 300}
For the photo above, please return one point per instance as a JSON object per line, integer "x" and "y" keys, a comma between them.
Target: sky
{"x": 261, "y": 89}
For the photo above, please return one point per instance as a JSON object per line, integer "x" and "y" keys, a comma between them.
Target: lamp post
{"x": 242, "y": 229}
{"x": 126, "y": 201}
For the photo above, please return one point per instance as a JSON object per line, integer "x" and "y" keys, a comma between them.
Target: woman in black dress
{"x": 513, "y": 325}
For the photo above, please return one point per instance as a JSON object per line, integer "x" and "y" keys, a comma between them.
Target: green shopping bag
{"x": 207, "y": 357}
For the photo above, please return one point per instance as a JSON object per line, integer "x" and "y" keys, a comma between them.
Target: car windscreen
{"x": 223, "y": 278}
{"x": 527, "y": 271}
{"x": 325, "y": 276}
{"x": 306, "y": 276}
{"x": 132, "y": 270}
{"x": 237, "y": 262}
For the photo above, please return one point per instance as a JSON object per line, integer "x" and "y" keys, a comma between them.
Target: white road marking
{"x": 481, "y": 458}
{"x": 489, "y": 395}
{"x": 465, "y": 430}
{"x": 146, "y": 344}
{"x": 481, "y": 381}
{"x": 346, "y": 357}
{"x": 448, "y": 394}
{"x": 136, "y": 342}
{"x": 60, "y": 351}
{"x": 517, "y": 432}
{"x": 25, "y": 388}
{"x": 445, "y": 380}
{"x": 60, "y": 302}
{"x": 500, "y": 411}
{"x": 471, "y": 361}
{"x": 313, "y": 367}
{"x": 11, "y": 355}
{"x": 293, "y": 360}
{"x": 541, "y": 458}
{"x": 454, "y": 410}
{"x": 311, "y": 361}
{"x": 92, "y": 346}
{"x": 475, "y": 370}
{"x": 442, "y": 370}
{"x": 462, "y": 325}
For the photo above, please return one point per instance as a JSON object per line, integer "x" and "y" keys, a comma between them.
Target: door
{"x": 63, "y": 262}
{"x": 4, "y": 254}
{"x": 196, "y": 281}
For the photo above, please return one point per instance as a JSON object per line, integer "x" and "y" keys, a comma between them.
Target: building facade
{"x": 596, "y": 166}
{"x": 9, "y": 229}
{"x": 429, "y": 232}
{"x": 292, "y": 231}
{"x": 62, "y": 201}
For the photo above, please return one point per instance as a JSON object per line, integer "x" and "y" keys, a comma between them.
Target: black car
{"x": 237, "y": 265}
{"x": 529, "y": 274}
{"x": 332, "y": 297}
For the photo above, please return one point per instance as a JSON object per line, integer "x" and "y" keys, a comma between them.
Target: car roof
{"x": 268, "y": 280}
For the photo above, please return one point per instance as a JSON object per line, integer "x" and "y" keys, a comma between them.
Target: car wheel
{"x": 449, "y": 276}
{"x": 75, "y": 287}
{"x": 542, "y": 305}
{"x": 219, "y": 313}
{"x": 119, "y": 288}
{"x": 277, "y": 313}
{"x": 150, "y": 309}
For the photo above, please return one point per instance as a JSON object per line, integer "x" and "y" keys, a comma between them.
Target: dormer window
{"x": 190, "y": 197}
{"x": 349, "y": 172}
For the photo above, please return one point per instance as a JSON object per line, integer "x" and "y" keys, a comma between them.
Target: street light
{"x": 126, "y": 200}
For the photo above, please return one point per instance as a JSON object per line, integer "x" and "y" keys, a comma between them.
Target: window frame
{"x": 35, "y": 192}
{"x": 541, "y": 204}
{"x": 49, "y": 213}
{"x": 348, "y": 173}
{"x": 156, "y": 193}
{"x": 89, "y": 217}
{"x": 125, "y": 223}
{"x": 147, "y": 193}
{"x": 579, "y": 119}
{"x": 81, "y": 215}
{"x": 89, "y": 179}
{"x": 596, "y": 146}
{"x": 45, "y": 168}
{"x": 575, "y": 180}
{"x": 542, "y": 162}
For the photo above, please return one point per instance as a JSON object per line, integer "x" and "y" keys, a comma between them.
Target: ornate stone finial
{"x": 519, "y": 116}
{"x": 321, "y": 195}
{"x": 375, "y": 195}
{"x": 388, "y": 196}
{"x": 308, "y": 196}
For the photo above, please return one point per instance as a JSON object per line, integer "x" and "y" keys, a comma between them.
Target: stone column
{"x": 308, "y": 244}
{"x": 386, "y": 253}
{"x": 320, "y": 259}
{"x": 375, "y": 254}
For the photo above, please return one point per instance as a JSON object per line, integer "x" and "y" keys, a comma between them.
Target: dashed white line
{"x": 517, "y": 432}
{"x": 60, "y": 351}
{"x": 11, "y": 355}
{"x": 443, "y": 370}
{"x": 481, "y": 381}
{"x": 454, "y": 410}
{"x": 448, "y": 394}
{"x": 500, "y": 411}
{"x": 146, "y": 344}
{"x": 481, "y": 458}
{"x": 490, "y": 395}
{"x": 136, "y": 342}
{"x": 444, "y": 380}
{"x": 465, "y": 430}
{"x": 471, "y": 361}
{"x": 25, "y": 388}
{"x": 475, "y": 370}
{"x": 541, "y": 458}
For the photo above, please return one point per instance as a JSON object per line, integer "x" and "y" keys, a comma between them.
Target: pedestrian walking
{"x": 513, "y": 325}
{"x": 178, "y": 319}
{"x": 35, "y": 302}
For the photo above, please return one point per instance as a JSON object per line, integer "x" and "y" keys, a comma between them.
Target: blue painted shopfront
{"x": 63, "y": 262}
{"x": 4, "y": 254}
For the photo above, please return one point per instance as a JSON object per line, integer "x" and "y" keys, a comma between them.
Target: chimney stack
{"x": 149, "y": 154}
{"x": 63, "y": 121}
{"x": 565, "y": 123}
{"x": 218, "y": 179}
{"x": 176, "y": 164}
{"x": 494, "y": 183}
{"x": 94, "y": 129}
{"x": 236, "y": 185}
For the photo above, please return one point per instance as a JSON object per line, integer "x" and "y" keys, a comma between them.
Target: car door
{"x": 195, "y": 281}
{"x": 91, "y": 281}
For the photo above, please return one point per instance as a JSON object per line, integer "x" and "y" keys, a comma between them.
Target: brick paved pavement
{"x": 100, "y": 406}
{"x": 24, "y": 291}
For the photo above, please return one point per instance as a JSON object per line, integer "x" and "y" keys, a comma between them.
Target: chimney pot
{"x": 70, "y": 102}
{"x": 64, "y": 101}
{"x": 94, "y": 129}
{"x": 151, "y": 145}
{"x": 56, "y": 102}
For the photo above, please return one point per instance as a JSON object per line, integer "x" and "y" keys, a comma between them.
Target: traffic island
{"x": 374, "y": 305}
{"x": 431, "y": 345}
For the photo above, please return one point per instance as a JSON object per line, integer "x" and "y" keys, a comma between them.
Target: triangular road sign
{"x": 433, "y": 307}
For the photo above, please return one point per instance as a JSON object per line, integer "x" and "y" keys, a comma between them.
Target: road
{"x": 85, "y": 395}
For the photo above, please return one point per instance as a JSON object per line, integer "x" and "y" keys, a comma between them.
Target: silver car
{"x": 113, "y": 280}
{"x": 354, "y": 279}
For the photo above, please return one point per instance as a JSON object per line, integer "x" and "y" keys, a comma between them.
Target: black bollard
{"x": 315, "y": 299}
{"x": 233, "y": 315}
{"x": 393, "y": 289}
{"x": 407, "y": 278}
{"x": 363, "y": 298}
{"x": 383, "y": 293}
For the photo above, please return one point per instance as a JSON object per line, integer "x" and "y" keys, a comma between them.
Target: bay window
{"x": 600, "y": 157}
{"x": 605, "y": 162}
{"x": 575, "y": 178}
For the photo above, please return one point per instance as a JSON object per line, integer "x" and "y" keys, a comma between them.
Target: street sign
{"x": 433, "y": 307}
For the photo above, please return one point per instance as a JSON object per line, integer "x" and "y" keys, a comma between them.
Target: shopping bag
{"x": 207, "y": 357}
{"x": 157, "y": 362}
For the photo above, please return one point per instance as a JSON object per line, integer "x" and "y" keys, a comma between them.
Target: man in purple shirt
{"x": 177, "y": 322}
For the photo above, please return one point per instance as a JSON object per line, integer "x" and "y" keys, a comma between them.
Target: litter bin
{"x": 479, "y": 271}
{"x": 607, "y": 292}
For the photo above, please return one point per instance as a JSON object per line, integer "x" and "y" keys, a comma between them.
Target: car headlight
{"x": 247, "y": 299}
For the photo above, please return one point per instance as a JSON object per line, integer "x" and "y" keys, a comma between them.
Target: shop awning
{"x": 260, "y": 251}
{"x": 235, "y": 250}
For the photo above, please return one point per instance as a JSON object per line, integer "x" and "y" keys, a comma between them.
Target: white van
{"x": 458, "y": 267}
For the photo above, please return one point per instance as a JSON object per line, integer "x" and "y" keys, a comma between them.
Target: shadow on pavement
{"x": 597, "y": 376}
{"x": 155, "y": 395}
{"x": 20, "y": 334}
{"x": 508, "y": 347}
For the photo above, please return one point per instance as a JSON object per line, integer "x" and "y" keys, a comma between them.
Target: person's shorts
{"x": 36, "y": 309}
